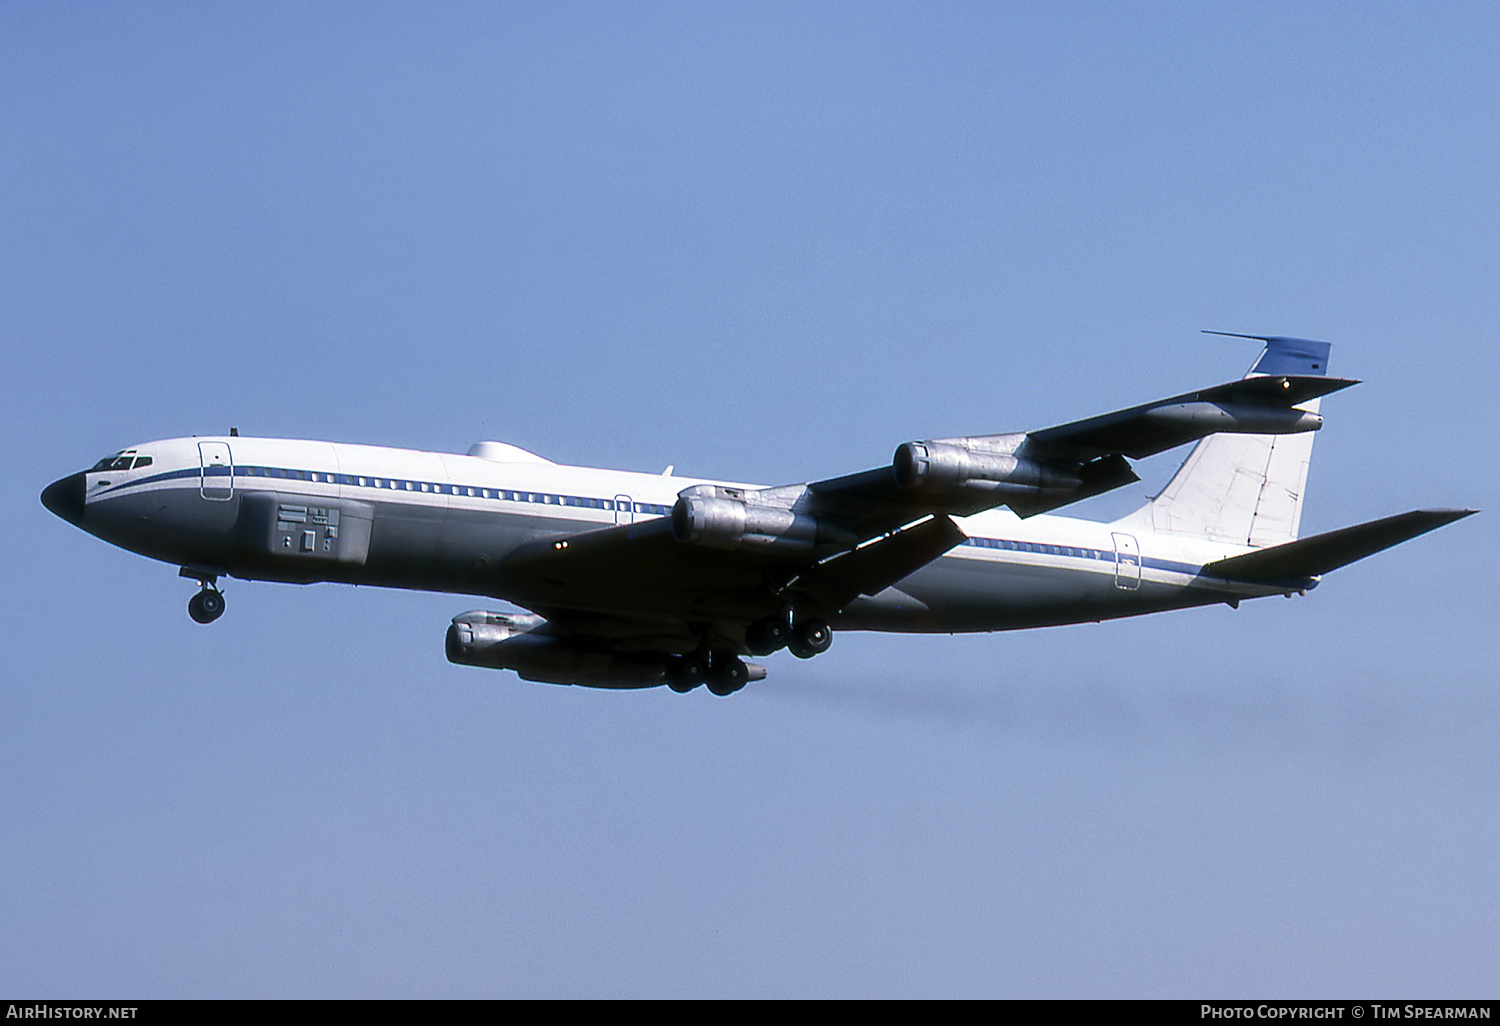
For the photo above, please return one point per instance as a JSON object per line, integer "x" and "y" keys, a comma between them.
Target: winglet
{"x": 1284, "y": 355}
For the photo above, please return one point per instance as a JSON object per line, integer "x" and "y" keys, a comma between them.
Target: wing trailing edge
{"x": 873, "y": 567}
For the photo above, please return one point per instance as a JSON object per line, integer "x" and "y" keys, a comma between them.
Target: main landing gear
{"x": 723, "y": 672}
{"x": 208, "y": 605}
{"x": 803, "y": 638}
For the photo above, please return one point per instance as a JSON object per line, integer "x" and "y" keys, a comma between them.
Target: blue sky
{"x": 764, "y": 242}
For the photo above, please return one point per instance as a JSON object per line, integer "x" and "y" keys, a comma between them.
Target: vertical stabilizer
{"x": 1244, "y": 489}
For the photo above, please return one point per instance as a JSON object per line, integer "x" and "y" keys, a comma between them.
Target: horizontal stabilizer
{"x": 1309, "y": 557}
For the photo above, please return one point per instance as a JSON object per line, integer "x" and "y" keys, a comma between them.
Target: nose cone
{"x": 65, "y": 498}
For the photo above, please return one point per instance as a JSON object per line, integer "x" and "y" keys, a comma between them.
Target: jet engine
{"x": 947, "y": 468}
{"x": 721, "y": 522}
{"x": 503, "y": 641}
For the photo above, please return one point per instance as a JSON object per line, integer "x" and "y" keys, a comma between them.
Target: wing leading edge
{"x": 1036, "y": 471}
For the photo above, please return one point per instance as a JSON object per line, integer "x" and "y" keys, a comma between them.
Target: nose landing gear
{"x": 208, "y": 605}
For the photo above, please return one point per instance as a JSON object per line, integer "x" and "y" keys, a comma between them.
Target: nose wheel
{"x": 206, "y": 606}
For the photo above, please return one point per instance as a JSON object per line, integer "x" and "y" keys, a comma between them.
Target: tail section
{"x": 1244, "y": 489}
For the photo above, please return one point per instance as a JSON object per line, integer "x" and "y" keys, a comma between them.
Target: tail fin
{"x": 1244, "y": 489}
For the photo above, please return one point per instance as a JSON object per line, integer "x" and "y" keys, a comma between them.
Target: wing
{"x": 1035, "y": 471}
{"x": 737, "y": 554}
{"x": 652, "y": 573}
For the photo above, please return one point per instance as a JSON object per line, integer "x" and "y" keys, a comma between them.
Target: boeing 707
{"x": 634, "y": 580}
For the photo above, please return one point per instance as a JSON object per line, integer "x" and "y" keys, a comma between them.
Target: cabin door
{"x": 217, "y": 478}
{"x": 1127, "y": 562}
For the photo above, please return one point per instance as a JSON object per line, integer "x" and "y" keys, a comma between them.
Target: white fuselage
{"x": 291, "y": 510}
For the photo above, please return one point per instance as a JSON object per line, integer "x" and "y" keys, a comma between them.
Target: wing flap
{"x": 871, "y": 568}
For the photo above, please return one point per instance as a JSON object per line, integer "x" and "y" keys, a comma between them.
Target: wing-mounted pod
{"x": 763, "y": 519}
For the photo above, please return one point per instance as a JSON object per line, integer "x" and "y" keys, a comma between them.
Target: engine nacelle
{"x": 721, "y": 523}
{"x": 504, "y": 641}
{"x": 474, "y": 638}
{"x": 944, "y": 467}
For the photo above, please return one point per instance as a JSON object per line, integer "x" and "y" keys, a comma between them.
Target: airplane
{"x": 633, "y": 580}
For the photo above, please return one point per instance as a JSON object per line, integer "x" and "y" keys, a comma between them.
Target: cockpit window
{"x": 121, "y": 461}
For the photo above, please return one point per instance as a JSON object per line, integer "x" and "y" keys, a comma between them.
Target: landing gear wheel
{"x": 687, "y": 672}
{"x": 206, "y": 606}
{"x": 729, "y": 674}
{"x": 766, "y": 636}
{"x": 810, "y": 638}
